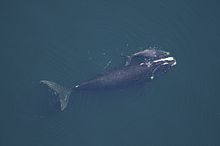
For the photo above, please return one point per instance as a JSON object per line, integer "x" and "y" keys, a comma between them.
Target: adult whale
{"x": 130, "y": 74}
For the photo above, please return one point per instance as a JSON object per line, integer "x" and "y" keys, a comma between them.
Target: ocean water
{"x": 70, "y": 41}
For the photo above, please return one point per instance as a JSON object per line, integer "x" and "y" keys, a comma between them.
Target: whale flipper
{"x": 62, "y": 92}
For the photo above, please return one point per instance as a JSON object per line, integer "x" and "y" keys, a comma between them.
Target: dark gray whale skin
{"x": 125, "y": 76}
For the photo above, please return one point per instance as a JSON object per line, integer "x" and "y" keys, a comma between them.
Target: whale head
{"x": 161, "y": 66}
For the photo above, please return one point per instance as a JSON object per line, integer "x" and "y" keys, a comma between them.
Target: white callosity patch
{"x": 148, "y": 64}
{"x": 165, "y": 59}
{"x": 165, "y": 63}
{"x": 174, "y": 63}
{"x": 142, "y": 63}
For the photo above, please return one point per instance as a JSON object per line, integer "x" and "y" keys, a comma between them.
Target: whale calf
{"x": 154, "y": 63}
{"x": 147, "y": 54}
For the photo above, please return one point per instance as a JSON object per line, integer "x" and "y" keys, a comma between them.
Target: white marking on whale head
{"x": 174, "y": 63}
{"x": 142, "y": 63}
{"x": 148, "y": 64}
{"x": 164, "y": 59}
{"x": 165, "y": 63}
{"x": 77, "y": 86}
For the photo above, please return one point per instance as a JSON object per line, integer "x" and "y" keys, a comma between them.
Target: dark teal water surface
{"x": 70, "y": 41}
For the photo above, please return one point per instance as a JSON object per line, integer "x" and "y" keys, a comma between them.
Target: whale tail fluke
{"x": 62, "y": 92}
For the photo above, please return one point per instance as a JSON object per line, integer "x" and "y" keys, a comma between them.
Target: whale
{"x": 147, "y": 54}
{"x": 141, "y": 71}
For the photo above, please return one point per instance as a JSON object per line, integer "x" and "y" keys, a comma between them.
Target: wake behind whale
{"x": 139, "y": 67}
